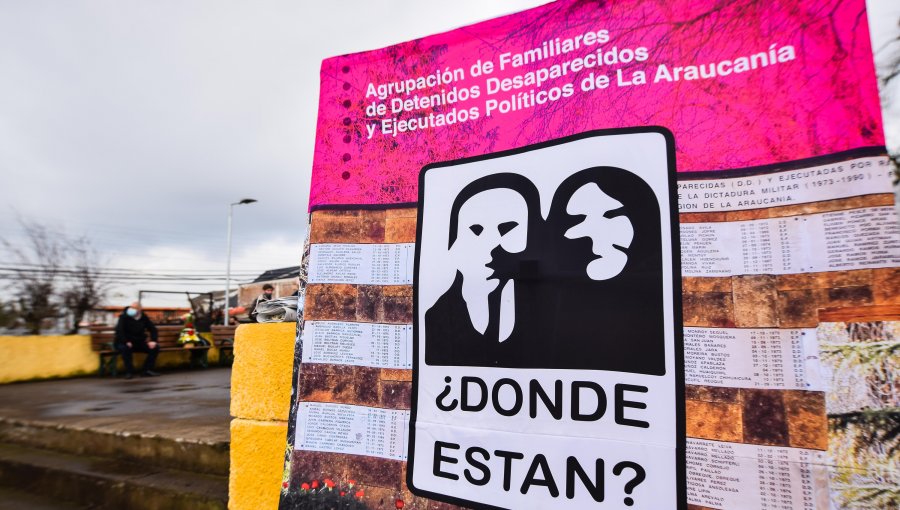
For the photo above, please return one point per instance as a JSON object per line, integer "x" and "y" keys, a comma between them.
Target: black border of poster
{"x": 677, "y": 316}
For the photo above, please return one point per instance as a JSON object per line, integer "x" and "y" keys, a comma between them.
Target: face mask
{"x": 131, "y": 312}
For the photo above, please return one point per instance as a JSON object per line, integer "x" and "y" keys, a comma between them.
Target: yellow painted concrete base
{"x": 261, "y": 375}
{"x": 260, "y": 401}
{"x": 23, "y": 358}
{"x": 28, "y": 358}
{"x": 257, "y": 458}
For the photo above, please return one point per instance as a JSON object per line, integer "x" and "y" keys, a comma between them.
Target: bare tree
{"x": 8, "y": 315}
{"x": 86, "y": 289}
{"x": 53, "y": 274}
{"x": 39, "y": 259}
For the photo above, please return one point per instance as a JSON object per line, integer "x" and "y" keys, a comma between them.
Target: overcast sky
{"x": 137, "y": 123}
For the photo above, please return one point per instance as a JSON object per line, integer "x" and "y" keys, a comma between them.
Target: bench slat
{"x": 103, "y": 336}
{"x": 167, "y": 349}
{"x": 167, "y": 338}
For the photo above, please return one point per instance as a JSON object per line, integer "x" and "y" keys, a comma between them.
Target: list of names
{"x": 768, "y": 358}
{"x": 737, "y": 476}
{"x": 852, "y": 239}
{"x": 350, "y": 429}
{"x": 364, "y": 264}
{"x": 358, "y": 343}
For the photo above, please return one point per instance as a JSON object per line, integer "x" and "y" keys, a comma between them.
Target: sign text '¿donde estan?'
{"x": 584, "y": 401}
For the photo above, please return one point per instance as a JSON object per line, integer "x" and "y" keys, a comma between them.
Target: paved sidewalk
{"x": 188, "y": 405}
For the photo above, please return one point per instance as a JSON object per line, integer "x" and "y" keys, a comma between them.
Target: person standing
{"x": 268, "y": 289}
{"x": 131, "y": 336}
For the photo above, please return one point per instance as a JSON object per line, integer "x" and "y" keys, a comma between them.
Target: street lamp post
{"x": 228, "y": 259}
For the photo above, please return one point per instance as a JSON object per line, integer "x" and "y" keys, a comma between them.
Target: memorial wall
{"x": 573, "y": 258}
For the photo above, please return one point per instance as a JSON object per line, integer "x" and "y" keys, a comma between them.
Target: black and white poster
{"x": 548, "y": 351}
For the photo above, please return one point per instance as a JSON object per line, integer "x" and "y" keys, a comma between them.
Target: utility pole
{"x": 228, "y": 257}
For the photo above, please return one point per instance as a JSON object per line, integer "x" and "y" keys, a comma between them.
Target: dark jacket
{"x": 261, "y": 299}
{"x": 129, "y": 329}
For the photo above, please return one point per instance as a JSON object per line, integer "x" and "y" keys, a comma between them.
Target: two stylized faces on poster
{"x": 547, "y": 303}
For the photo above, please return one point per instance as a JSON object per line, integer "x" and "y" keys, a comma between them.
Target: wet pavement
{"x": 186, "y": 405}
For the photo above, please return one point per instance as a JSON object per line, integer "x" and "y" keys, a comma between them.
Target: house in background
{"x": 286, "y": 281}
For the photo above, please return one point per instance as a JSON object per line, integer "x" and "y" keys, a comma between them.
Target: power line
{"x": 73, "y": 276}
{"x": 17, "y": 273}
{"x": 205, "y": 272}
{"x": 76, "y": 274}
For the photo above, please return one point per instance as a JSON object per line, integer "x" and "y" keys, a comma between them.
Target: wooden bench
{"x": 103, "y": 338}
{"x": 223, "y": 339}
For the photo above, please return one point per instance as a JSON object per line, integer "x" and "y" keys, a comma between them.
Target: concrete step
{"x": 12, "y": 499}
{"x": 102, "y": 483}
{"x": 209, "y": 457}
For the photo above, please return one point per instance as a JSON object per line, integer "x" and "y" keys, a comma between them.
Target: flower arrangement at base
{"x": 324, "y": 495}
{"x": 188, "y": 336}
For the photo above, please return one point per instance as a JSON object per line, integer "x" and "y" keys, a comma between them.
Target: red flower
{"x": 285, "y": 485}
{"x": 359, "y": 494}
{"x": 315, "y": 484}
{"x": 352, "y": 483}
{"x": 399, "y": 504}
{"x": 343, "y": 493}
{"x": 329, "y": 482}
{"x": 305, "y": 486}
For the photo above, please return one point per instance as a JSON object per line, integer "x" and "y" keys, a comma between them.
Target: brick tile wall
{"x": 752, "y": 416}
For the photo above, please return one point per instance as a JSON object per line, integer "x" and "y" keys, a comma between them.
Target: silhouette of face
{"x": 490, "y": 219}
{"x": 610, "y": 232}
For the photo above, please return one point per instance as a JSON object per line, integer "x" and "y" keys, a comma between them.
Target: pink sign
{"x": 740, "y": 84}
{"x": 612, "y": 227}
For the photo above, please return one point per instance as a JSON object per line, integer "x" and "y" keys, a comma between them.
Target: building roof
{"x": 119, "y": 308}
{"x": 278, "y": 274}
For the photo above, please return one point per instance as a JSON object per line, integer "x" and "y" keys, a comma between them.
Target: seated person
{"x": 131, "y": 336}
